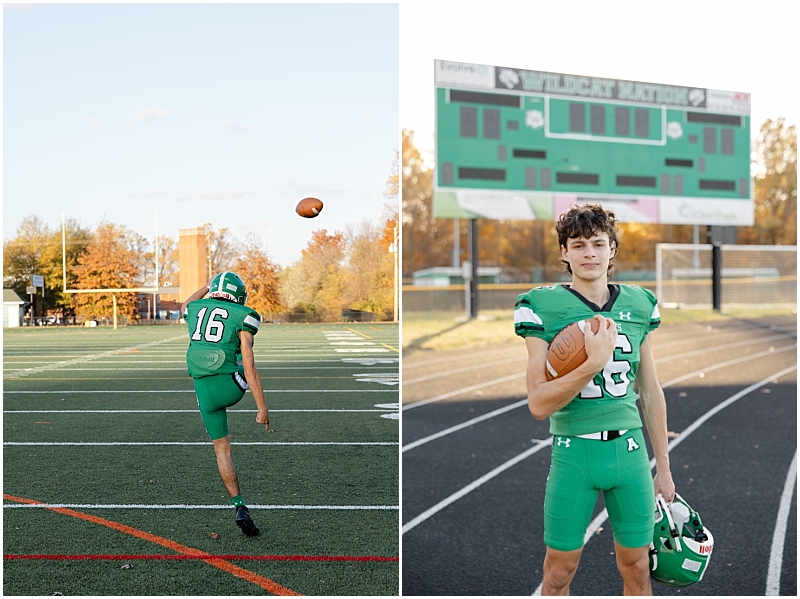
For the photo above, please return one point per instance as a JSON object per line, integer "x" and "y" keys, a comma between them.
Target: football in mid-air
{"x": 309, "y": 207}
{"x": 567, "y": 350}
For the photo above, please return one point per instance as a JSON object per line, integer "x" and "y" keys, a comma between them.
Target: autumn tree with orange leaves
{"x": 315, "y": 284}
{"x": 260, "y": 275}
{"x": 113, "y": 260}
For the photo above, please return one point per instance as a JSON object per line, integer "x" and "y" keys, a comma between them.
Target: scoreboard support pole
{"x": 716, "y": 276}
{"x": 473, "y": 256}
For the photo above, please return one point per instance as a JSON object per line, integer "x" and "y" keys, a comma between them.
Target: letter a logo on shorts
{"x": 632, "y": 444}
{"x": 563, "y": 441}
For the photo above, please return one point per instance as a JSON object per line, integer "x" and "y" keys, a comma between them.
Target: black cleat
{"x": 245, "y": 522}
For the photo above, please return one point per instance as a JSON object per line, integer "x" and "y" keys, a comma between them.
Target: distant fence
{"x": 281, "y": 318}
{"x": 417, "y": 298}
{"x": 751, "y": 275}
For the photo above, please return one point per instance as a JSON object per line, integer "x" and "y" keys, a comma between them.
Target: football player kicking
{"x": 220, "y": 360}
{"x": 597, "y": 438}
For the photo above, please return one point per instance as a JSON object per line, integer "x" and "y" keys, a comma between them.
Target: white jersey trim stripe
{"x": 251, "y": 321}
{"x": 525, "y": 314}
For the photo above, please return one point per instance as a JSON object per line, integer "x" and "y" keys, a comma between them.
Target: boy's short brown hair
{"x": 586, "y": 221}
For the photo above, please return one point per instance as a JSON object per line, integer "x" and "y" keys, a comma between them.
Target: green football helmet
{"x": 681, "y": 547}
{"x": 228, "y": 286}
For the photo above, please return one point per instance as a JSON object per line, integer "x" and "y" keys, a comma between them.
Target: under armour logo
{"x": 624, "y": 315}
{"x": 563, "y": 441}
{"x": 632, "y": 444}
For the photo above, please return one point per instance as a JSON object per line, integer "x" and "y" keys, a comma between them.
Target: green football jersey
{"x": 214, "y": 327}
{"x": 608, "y": 402}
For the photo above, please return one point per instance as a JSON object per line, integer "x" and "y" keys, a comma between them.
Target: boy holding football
{"x": 221, "y": 362}
{"x": 598, "y": 444}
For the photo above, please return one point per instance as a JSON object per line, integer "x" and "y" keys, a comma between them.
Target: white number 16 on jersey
{"x": 615, "y": 374}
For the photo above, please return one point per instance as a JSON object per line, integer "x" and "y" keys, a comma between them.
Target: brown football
{"x": 309, "y": 207}
{"x": 567, "y": 350}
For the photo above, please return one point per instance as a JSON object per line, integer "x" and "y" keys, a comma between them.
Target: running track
{"x": 475, "y": 463}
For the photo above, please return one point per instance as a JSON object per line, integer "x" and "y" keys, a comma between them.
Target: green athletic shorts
{"x": 579, "y": 469}
{"x": 214, "y": 394}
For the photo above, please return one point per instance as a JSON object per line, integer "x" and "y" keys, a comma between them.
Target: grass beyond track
{"x": 110, "y": 482}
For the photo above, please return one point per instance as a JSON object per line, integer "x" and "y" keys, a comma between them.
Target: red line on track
{"x": 288, "y": 558}
{"x": 261, "y": 581}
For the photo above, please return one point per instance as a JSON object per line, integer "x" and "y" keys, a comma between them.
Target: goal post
{"x": 751, "y": 275}
{"x": 112, "y": 291}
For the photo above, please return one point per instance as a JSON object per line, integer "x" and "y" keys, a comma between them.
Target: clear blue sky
{"x": 221, "y": 113}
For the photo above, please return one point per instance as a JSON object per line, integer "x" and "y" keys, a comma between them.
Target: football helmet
{"x": 228, "y": 286}
{"x": 681, "y": 547}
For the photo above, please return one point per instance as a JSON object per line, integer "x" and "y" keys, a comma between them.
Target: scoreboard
{"x": 522, "y": 144}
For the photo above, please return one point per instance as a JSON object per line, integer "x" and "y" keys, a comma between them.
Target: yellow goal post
{"x": 112, "y": 291}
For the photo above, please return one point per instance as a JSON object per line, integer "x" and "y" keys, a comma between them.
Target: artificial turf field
{"x": 110, "y": 483}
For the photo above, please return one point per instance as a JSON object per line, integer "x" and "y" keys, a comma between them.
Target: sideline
{"x": 89, "y": 358}
{"x": 261, "y": 581}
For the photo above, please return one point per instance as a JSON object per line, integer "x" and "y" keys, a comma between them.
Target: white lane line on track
{"x": 521, "y": 403}
{"x": 482, "y": 354}
{"x": 474, "y": 485}
{"x": 672, "y": 382}
{"x": 779, "y": 536}
{"x": 602, "y": 516}
{"x": 138, "y": 443}
{"x": 7, "y": 392}
{"x": 170, "y": 411}
{"x": 458, "y": 427}
{"x": 716, "y": 348}
{"x": 729, "y": 363}
{"x": 83, "y": 359}
{"x": 428, "y": 377}
{"x": 141, "y": 506}
{"x": 658, "y": 361}
{"x": 424, "y": 402}
{"x": 660, "y": 343}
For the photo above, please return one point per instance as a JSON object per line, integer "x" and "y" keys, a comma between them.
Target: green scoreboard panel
{"x": 513, "y": 143}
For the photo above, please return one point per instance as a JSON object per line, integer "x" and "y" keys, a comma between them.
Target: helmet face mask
{"x": 228, "y": 286}
{"x": 681, "y": 547}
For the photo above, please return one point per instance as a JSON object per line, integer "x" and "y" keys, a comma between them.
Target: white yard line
{"x": 170, "y": 411}
{"x": 181, "y": 506}
{"x": 83, "y": 359}
{"x": 143, "y": 443}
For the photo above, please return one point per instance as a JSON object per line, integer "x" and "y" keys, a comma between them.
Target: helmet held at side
{"x": 681, "y": 547}
{"x": 228, "y": 286}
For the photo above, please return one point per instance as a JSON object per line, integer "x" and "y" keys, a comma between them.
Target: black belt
{"x": 604, "y": 435}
